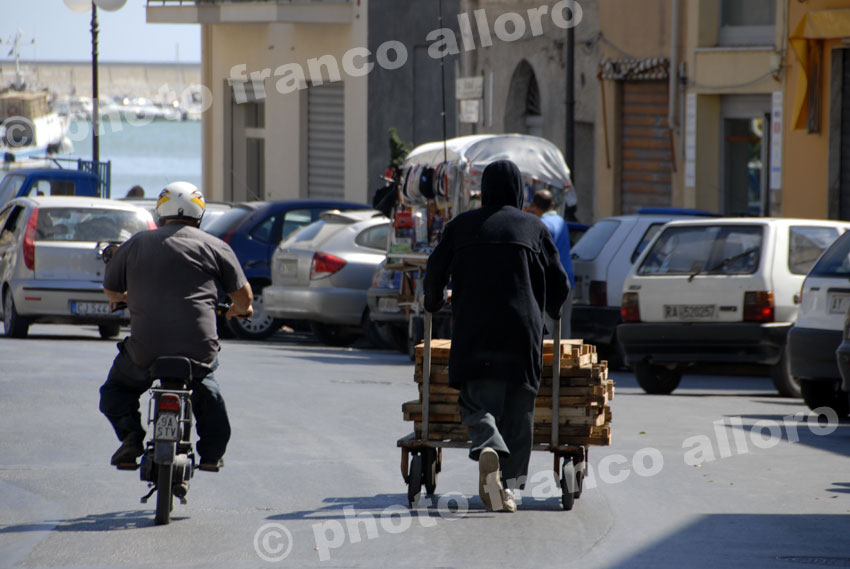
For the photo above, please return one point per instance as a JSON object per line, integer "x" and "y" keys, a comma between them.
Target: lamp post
{"x": 80, "y": 6}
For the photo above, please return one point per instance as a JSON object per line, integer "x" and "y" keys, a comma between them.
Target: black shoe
{"x": 211, "y": 465}
{"x": 131, "y": 448}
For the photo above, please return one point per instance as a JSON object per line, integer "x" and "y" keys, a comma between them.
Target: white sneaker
{"x": 508, "y": 503}
{"x": 490, "y": 488}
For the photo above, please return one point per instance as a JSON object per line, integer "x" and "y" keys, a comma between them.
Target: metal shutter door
{"x": 326, "y": 141}
{"x": 844, "y": 179}
{"x": 646, "y": 152}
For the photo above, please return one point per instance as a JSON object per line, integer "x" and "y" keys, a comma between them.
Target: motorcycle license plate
{"x": 167, "y": 427}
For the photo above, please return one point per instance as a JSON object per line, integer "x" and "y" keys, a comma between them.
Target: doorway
{"x": 745, "y": 158}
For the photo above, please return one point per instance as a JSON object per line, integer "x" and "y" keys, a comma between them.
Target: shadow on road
{"x": 111, "y": 521}
{"x": 449, "y": 506}
{"x": 750, "y": 540}
{"x": 799, "y": 426}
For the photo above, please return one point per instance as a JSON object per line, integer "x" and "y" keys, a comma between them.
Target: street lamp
{"x": 81, "y": 6}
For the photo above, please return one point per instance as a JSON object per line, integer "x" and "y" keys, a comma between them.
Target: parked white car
{"x": 818, "y": 332}
{"x": 601, "y": 261}
{"x": 51, "y": 270}
{"x": 718, "y": 291}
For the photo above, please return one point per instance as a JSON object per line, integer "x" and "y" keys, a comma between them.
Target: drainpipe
{"x": 675, "y": 32}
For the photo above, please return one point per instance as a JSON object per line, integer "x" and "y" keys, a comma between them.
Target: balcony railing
{"x": 250, "y": 11}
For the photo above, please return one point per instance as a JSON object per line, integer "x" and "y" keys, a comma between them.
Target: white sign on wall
{"x": 470, "y": 111}
{"x": 469, "y": 88}
{"x": 776, "y": 142}
{"x": 691, "y": 140}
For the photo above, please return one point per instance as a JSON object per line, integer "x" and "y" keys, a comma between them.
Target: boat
{"x": 28, "y": 124}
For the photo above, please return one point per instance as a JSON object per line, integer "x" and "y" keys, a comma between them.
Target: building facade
{"x": 524, "y": 80}
{"x": 816, "y": 151}
{"x": 303, "y": 94}
{"x": 728, "y": 106}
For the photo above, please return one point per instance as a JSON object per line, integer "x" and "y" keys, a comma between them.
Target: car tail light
{"x": 151, "y": 223}
{"x": 630, "y": 308}
{"x": 758, "y": 306}
{"x": 228, "y": 236}
{"x": 29, "y": 240}
{"x": 169, "y": 402}
{"x": 598, "y": 293}
{"x": 324, "y": 265}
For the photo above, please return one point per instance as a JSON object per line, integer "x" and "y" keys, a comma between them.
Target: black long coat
{"x": 504, "y": 272}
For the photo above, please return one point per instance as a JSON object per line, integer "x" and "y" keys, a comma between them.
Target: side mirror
{"x": 106, "y": 250}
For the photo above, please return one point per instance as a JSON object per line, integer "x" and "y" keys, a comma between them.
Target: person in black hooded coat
{"x": 504, "y": 271}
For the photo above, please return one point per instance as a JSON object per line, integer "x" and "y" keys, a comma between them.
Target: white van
{"x": 718, "y": 291}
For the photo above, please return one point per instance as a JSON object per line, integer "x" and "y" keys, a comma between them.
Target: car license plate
{"x": 689, "y": 311}
{"x": 166, "y": 427}
{"x": 288, "y": 268}
{"x": 91, "y": 309}
{"x": 838, "y": 302}
{"x": 388, "y": 304}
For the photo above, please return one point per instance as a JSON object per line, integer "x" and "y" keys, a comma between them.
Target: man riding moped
{"x": 169, "y": 279}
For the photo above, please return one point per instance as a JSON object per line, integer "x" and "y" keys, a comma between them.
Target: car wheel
{"x": 825, "y": 393}
{"x": 655, "y": 379}
{"x": 332, "y": 335}
{"x": 109, "y": 330}
{"x": 786, "y": 384}
{"x": 373, "y": 331}
{"x": 15, "y": 325}
{"x": 612, "y": 353}
{"x": 260, "y": 326}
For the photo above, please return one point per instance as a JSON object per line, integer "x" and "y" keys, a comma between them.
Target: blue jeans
{"x": 126, "y": 383}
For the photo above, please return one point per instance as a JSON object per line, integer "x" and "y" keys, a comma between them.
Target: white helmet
{"x": 180, "y": 200}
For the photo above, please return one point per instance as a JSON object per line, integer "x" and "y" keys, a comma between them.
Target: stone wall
{"x": 115, "y": 79}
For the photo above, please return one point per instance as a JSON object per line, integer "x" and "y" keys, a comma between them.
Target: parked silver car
{"x": 51, "y": 270}
{"x": 320, "y": 274}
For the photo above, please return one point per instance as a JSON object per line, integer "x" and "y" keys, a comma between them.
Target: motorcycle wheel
{"x": 164, "y": 496}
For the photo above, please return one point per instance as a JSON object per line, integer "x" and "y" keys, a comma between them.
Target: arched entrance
{"x": 523, "y": 110}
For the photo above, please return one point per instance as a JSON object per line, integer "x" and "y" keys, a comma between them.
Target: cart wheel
{"x": 431, "y": 468}
{"x": 579, "y": 466}
{"x": 568, "y": 477}
{"x": 414, "y": 484}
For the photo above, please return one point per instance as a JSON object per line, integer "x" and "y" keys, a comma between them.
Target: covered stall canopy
{"x": 456, "y": 167}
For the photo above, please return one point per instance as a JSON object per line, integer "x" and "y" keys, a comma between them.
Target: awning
{"x": 807, "y": 43}
{"x": 647, "y": 69}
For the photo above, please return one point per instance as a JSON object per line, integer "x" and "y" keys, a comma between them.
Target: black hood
{"x": 501, "y": 185}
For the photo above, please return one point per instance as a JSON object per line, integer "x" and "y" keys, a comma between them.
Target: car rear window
{"x": 706, "y": 249}
{"x": 374, "y": 237}
{"x": 227, "y": 221}
{"x": 805, "y": 245}
{"x": 592, "y": 242}
{"x": 836, "y": 261}
{"x": 651, "y": 232}
{"x": 88, "y": 224}
{"x": 317, "y": 233}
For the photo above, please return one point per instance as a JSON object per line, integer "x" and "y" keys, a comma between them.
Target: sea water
{"x": 149, "y": 155}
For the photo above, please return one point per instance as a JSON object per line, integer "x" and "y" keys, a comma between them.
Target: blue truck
{"x": 77, "y": 177}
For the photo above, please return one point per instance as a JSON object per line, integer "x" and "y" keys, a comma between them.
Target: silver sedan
{"x": 320, "y": 274}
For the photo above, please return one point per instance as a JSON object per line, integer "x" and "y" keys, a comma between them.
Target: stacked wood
{"x": 585, "y": 391}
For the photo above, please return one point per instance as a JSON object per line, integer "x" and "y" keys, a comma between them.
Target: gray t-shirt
{"x": 171, "y": 276}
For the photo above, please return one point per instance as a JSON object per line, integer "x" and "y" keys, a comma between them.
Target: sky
{"x": 63, "y": 35}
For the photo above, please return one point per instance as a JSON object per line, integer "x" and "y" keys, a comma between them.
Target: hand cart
{"x": 421, "y": 458}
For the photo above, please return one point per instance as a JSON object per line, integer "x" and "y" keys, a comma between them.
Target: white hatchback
{"x": 601, "y": 261}
{"x": 51, "y": 269}
{"x": 719, "y": 291}
{"x": 818, "y": 332}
